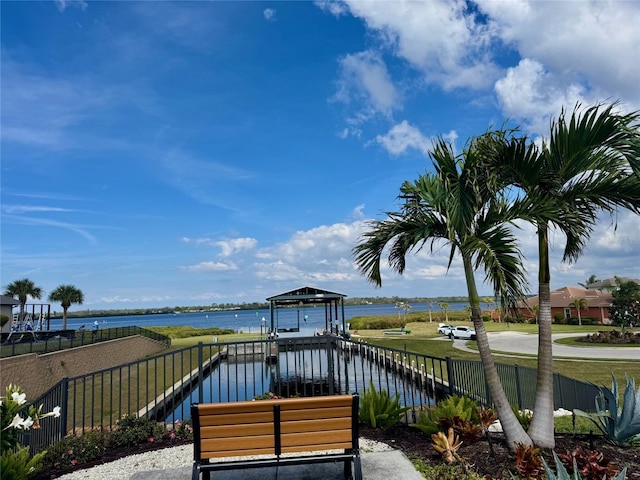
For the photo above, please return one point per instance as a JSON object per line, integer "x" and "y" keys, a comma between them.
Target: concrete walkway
{"x": 525, "y": 343}
{"x": 375, "y": 466}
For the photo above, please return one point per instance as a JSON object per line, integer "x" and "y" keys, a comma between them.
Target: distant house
{"x": 609, "y": 284}
{"x": 598, "y": 303}
{"x": 6, "y": 309}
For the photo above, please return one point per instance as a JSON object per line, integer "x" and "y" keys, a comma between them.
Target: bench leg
{"x": 347, "y": 470}
{"x": 357, "y": 468}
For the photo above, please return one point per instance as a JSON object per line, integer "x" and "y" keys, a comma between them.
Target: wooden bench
{"x": 271, "y": 428}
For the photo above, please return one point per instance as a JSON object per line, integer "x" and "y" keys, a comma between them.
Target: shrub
{"x": 75, "y": 450}
{"x": 592, "y": 465}
{"x": 379, "y": 409}
{"x": 132, "y": 431}
{"x": 454, "y": 411}
{"x": 559, "y": 318}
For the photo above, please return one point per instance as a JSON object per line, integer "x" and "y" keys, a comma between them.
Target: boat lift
{"x": 333, "y": 306}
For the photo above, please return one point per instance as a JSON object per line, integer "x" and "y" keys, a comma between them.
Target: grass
{"x": 422, "y": 340}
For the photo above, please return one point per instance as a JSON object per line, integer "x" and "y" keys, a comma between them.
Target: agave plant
{"x": 562, "y": 473}
{"x": 447, "y": 446}
{"x": 620, "y": 422}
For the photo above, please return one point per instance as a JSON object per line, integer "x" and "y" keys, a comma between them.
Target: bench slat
{"x": 312, "y": 439}
{"x": 230, "y": 431}
{"x": 316, "y": 425}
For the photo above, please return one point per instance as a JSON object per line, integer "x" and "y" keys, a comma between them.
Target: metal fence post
{"x": 200, "y": 372}
{"x": 64, "y": 400}
{"x": 450, "y": 377}
{"x": 516, "y": 372}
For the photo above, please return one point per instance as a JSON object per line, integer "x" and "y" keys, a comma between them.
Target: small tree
{"x": 445, "y": 307}
{"x": 625, "y": 308}
{"x": 66, "y": 295}
{"x": 589, "y": 281}
{"x": 579, "y": 304}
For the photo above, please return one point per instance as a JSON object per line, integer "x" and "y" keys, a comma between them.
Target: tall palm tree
{"x": 22, "y": 289}
{"x": 579, "y": 304}
{"x": 66, "y": 295}
{"x": 586, "y": 167}
{"x": 456, "y": 206}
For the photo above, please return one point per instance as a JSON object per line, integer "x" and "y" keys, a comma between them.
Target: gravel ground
{"x": 175, "y": 457}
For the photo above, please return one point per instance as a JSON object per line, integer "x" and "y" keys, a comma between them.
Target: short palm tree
{"x": 444, "y": 306}
{"x": 585, "y": 167}
{"x": 579, "y": 304}
{"x": 456, "y": 206}
{"x": 23, "y": 289}
{"x": 66, "y": 295}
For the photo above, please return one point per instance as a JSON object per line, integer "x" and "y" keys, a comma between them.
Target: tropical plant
{"x": 447, "y": 446}
{"x": 579, "y": 304}
{"x": 586, "y": 166}
{"x": 380, "y": 410}
{"x": 66, "y": 295}
{"x": 19, "y": 464}
{"x": 562, "y": 473}
{"x": 528, "y": 461}
{"x": 618, "y": 419}
{"x": 16, "y": 463}
{"x": 591, "y": 465}
{"x": 589, "y": 281}
{"x": 23, "y": 289}
{"x": 457, "y": 205}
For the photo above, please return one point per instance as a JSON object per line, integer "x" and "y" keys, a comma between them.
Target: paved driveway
{"x": 519, "y": 342}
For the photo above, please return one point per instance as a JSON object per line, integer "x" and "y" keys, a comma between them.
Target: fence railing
{"x": 164, "y": 386}
{"x": 51, "y": 341}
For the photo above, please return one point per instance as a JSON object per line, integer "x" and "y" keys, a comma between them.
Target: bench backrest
{"x": 272, "y": 427}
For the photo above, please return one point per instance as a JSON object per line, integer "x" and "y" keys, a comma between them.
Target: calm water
{"x": 309, "y": 319}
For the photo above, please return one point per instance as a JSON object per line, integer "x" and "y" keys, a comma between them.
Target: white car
{"x": 445, "y": 329}
{"x": 465, "y": 333}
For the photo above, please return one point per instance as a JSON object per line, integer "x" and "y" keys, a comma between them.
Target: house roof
{"x": 7, "y": 300}
{"x": 562, "y": 297}
{"x": 609, "y": 283}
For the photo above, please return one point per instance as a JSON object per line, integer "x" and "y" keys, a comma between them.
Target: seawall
{"x": 37, "y": 373}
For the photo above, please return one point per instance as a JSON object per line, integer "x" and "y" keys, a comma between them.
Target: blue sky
{"x": 188, "y": 153}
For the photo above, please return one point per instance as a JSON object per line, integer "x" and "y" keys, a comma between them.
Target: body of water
{"x": 309, "y": 319}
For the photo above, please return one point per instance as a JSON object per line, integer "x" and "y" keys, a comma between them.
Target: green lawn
{"x": 423, "y": 337}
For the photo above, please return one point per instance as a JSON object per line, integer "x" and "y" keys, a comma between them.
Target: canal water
{"x": 309, "y": 319}
{"x": 313, "y": 369}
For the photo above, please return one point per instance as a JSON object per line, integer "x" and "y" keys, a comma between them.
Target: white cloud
{"x": 211, "y": 267}
{"x": 591, "y": 42}
{"x": 365, "y": 82}
{"x": 402, "y": 137}
{"x": 64, "y": 4}
{"x": 17, "y": 209}
{"x": 236, "y": 245}
{"x": 269, "y": 14}
{"x": 442, "y": 39}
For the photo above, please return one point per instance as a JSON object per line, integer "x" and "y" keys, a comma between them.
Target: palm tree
{"x": 22, "y": 289}
{"x": 66, "y": 295}
{"x": 457, "y": 206}
{"x": 445, "y": 307}
{"x": 579, "y": 304}
{"x": 585, "y": 167}
{"x": 589, "y": 281}
{"x": 430, "y": 311}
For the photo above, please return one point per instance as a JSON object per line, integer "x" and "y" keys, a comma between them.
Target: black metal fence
{"x": 164, "y": 386}
{"x": 20, "y": 343}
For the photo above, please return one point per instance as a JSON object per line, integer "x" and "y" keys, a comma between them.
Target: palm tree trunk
{"x": 64, "y": 317}
{"x": 21, "y": 317}
{"x": 511, "y": 427}
{"x": 541, "y": 430}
